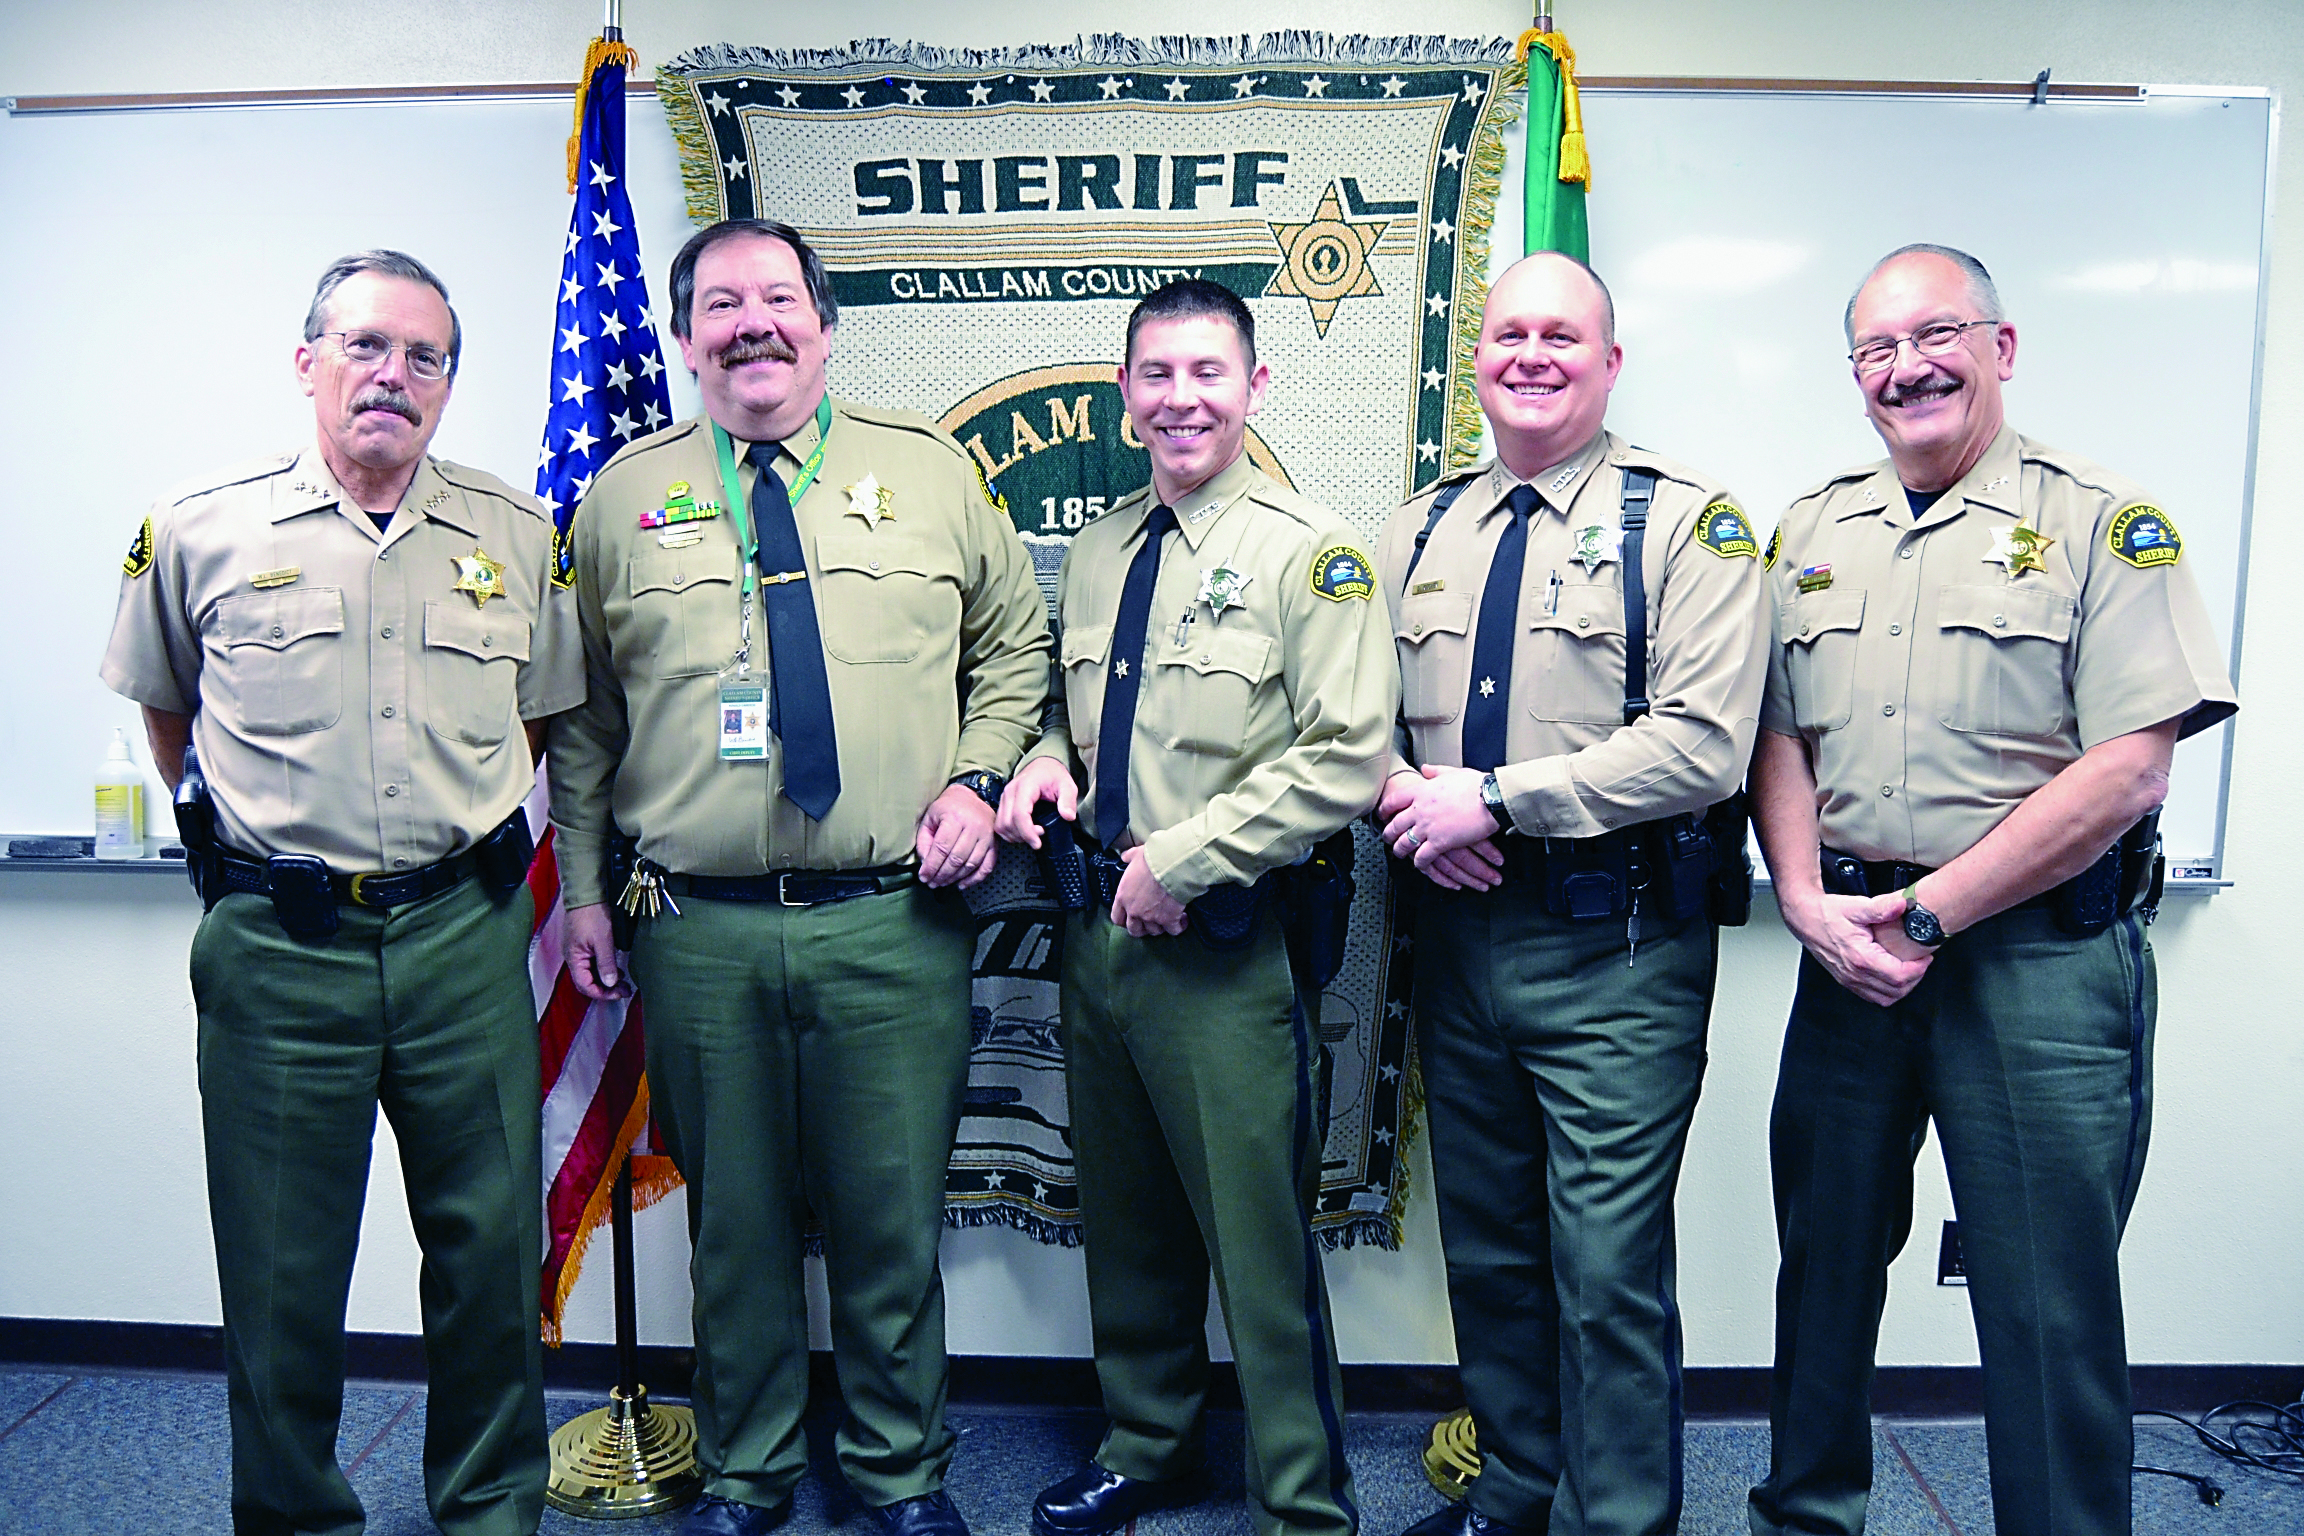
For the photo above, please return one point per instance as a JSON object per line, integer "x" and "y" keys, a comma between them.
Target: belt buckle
{"x": 359, "y": 888}
{"x": 783, "y": 889}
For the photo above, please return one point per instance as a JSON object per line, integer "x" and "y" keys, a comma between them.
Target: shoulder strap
{"x": 1440, "y": 505}
{"x": 1639, "y": 491}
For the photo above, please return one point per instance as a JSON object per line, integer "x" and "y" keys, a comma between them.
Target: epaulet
{"x": 1135, "y": 497}
{"x": 239, "y": 474}
{"x": 1292, "y": 503}
{"x": 2083, "y": 471}
{"x": 1452, "y": 477}
{"x": 662, "y": 437}
{"x": 1844, "y": 477}
{"x": 1668, "y": 468}
{"x": 481, "y": 483}
{"x": 901, "y": 420}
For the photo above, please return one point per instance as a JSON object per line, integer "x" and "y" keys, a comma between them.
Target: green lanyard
{"x": 740, "y": 509}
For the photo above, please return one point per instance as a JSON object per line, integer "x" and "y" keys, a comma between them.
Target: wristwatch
{"x": 1920, "y": 924}
{"x": 1492, "y": 797}
{"x": 984, "y": 784}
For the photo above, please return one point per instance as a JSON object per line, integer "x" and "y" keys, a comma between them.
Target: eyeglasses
{"x": 1928, "y": 341}
{"x": 368, "y": 349}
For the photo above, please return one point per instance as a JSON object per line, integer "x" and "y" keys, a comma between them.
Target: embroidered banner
{"x": 989, "y": 219}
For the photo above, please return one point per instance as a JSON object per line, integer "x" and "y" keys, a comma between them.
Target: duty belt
{"x": 792, "y": 887}
{"x": 252, "y": 875}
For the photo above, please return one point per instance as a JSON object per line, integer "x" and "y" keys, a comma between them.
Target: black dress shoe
{"x": 712, "y": 1515}
{"x": 931, "y": 1514}
{"x": 1094, "y": 1502}
{"x": 1463, "y": 1520}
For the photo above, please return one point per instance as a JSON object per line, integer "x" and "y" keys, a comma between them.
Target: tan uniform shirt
{"x": 349, "y": 703}
{"x": 1261, "y": 728}
{"x": 1572, "y": 767}
{"x": 935, "y": 640}
{"x": 1936, "y": 683}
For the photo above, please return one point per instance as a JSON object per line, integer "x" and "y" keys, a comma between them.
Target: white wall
{"x": 104, "y": 1216}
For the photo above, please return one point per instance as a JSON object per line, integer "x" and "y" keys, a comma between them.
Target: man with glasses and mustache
{"x": 1986, "y": 651}
{"x": 362, "y": 643}
{"x": 816, "y": 648}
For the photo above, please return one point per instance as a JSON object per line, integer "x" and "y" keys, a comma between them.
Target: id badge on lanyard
{"x": 743, "y": 698}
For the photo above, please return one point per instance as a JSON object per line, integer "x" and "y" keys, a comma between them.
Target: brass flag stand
{"x": 630, "y": 1458}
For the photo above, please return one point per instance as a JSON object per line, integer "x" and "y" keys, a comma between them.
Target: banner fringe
{"x": 699, "y": 161}
{"x": 1107, "y": 49}
{"x": 1483, "y": 184}
{"x": 1061, "y": 1234}
{"x": 652, "y": 1179}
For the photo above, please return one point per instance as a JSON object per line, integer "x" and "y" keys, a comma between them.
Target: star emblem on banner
{"x": 1324, "y": 261}
{"x": 608, "y": 387}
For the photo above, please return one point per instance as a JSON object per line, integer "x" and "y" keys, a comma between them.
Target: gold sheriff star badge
{"x": 2019, "y": 549}
{"x": 478, "y": 575}
{"x": 1325, "y": 261}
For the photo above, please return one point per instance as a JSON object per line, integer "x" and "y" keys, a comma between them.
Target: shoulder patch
{"x": 1775, "y": 544}
{"x": 1727, "y": 532}
{"x": 2143, "y": 536}
{"x": 992, "y": 496}
{"x": 1340, "y": 572}
{"x": 564, "y": 557}
{"x": 139, "y": 552}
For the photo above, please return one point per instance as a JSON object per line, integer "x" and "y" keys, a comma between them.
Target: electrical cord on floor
{"x": 2271, "y": 1439}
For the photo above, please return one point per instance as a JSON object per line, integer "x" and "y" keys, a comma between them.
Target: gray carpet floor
{"x": 124, "y": 1455}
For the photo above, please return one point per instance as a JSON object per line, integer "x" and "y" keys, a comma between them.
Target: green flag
{"x": 1558, "y": 171}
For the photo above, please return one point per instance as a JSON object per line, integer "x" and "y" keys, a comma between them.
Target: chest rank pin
{"x": 679, "y": 507}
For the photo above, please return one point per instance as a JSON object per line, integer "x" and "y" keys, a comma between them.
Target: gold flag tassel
{"x": 604, "y": 50}
{"x": 1575, "y": 161}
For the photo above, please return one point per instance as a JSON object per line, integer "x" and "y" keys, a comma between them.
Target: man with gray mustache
{"x": 362, "y": 642}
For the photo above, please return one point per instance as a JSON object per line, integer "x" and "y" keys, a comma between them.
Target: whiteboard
{"x": 159, "y": 263}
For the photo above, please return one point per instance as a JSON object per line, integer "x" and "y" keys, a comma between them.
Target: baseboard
{"x": 1040, "y": 1382}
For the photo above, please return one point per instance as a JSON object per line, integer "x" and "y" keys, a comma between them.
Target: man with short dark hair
{"x": 1225, "y": 703}
{"x": 363, "y": 642}
{"x": 1986, "y": 651}
{"x": 1581, "y": 654}
{"x": 815, "y": 646}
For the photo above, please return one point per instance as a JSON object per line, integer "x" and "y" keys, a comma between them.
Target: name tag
{"x": 743, "y": 721}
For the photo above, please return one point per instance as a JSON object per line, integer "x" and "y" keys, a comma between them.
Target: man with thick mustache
{"x": 1581, "y": 654}
{"x": 363, "y": 643}
{"x": 816, "y": 648}
{"x": 1986, "y": 651}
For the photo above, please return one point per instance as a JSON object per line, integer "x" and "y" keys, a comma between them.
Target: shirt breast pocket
{"x": 883, "y": 597}
{"x": 1196, "y": 699}
{"x": 1082, "y": 657}
{"x": 1577, "y": 676}
{"x": 1433, "y": 637}
{"x": 684, "y": 610}
{"x": 472, "y": 662}
{"x": 2002, "y": 660}
{"x": 1820, "y": 631}
{"x": 284, "y": 659}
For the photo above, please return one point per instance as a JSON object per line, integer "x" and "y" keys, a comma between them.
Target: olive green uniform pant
{"x": 427, "y": 1010}
{"x": 2031, "y": 1050}
{"x": 806, "y": 1057}
{"x": 1560, "y": 1082}
{"x": 1193, "y": 1084}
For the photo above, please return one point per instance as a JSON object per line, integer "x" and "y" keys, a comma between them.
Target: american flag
{"x": 607, "y": 389}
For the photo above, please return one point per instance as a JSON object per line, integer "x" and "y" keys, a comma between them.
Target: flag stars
{"x": 651, "y": 417}
{"x": 734, "y": 168}
{"x": 611, "y": 328}
{"x": 580, "y": 440}
{"x": 1428, "y": 452}
{"x": 572, "y": 338}
{"x": 575, "y": 389}
{"x": 979, "y": 94}
{"x": 915, "y": 92}
{"x": 1111, "y": 86}
{"x": 570, "y": 286}
{"x": 1436, "y": 304}
{"x": 623, "y": 425}
{"x": 788, "y": 96}
{"x": 1393, "y": 85}
{"x": 1042, "y": 90}
{"x": 1434, "y": 378}
{"x": 718, "y": 103}
{"x": 620, "y": 378}
{"x": 605, "y": 227}
{"x": 1443, "y": 232}
{"x": 601, "y": 180}
{"x": 1471, "y": 88}
{"x": 650, "y": 366}
{"x": 854, "y": 96}
{"x": 609, "y": 276}
{"x": 1315, "y": 86}
{"x": 1451, "y": 156}
{"x": 581, "y": 486}
{"x": 1177, "y": 89}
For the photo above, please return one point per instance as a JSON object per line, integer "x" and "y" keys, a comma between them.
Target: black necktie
{"x": 1125, "y": 670}
{"x": 801, "y": 701}
{"x": 1488, "y": 703}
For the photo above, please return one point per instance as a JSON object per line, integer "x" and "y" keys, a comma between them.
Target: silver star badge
{"x": 1487, "y": 687}
{"x": 1120, "y": 669}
